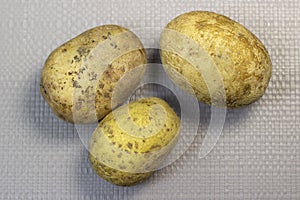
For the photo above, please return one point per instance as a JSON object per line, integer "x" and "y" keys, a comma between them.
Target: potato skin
{"x": 240, "y": 57}
{"x": 126, "y": 155}
{"x": 79, "y": 77}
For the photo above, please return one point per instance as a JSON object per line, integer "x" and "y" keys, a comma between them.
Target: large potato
{"x": 80, "y": 78}
{"x": 133, "y": 141}
{"x": 219, "y": 58}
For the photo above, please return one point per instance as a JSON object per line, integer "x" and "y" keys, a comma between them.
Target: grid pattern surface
{"x": 256, "y": 157}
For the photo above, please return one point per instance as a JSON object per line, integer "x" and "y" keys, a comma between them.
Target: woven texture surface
{"x": 42, "y": 157}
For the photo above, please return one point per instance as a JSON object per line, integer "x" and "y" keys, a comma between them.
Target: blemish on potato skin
{"x": 101, "y": 85}
{"x": 129, "y": 145}
{"x": 136, "y": 145}
{"x": 76, "y": 84}
{"x": 122, "y": 167}
{"x": 77, "y": 59}
{"x": 106, "y": 95}
{"x": 155, "y": 146}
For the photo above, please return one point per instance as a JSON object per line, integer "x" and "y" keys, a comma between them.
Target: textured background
{"x": 41, "y": 157}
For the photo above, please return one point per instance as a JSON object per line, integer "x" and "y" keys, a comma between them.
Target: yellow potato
{"x": 219, "y": 58}
{"x": 80, "y": 77}
{"x": 133, "y": 141}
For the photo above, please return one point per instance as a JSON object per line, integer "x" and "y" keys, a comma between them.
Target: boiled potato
{"x": 133, "y": 141}
{"x": 215, "y": 58}
{"x": 79, "y": 78}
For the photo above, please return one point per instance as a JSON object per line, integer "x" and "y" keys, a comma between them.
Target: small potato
{"x": 217, "y": 57}
{"x": 133, "y": 141}
{"x": 83, "y": 79}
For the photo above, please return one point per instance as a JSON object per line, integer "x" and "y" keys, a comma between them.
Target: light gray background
{"x": 41, "y": 157}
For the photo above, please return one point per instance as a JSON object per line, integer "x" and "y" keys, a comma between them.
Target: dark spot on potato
{"x": 81, "y": 70}
{"x": 247, "y": 89}
{"x": 120, "y": 145}
{"x": 104, "y": 37}
{"x": 93, "y": 76}
{"x": 106, "y": 95}
{"x": 134, "y": 119}
{"x": 120, "y": 155}
{"x": 129, "y": 145}
{"x": 140, "y": 129}
{"x": 94, "y": 140}
{"x": 168, "y": 129}
{"x": 64, "y": 50}
{"x": 76, "y": 58}
{"x": 144, "y": 141}
{"x": 122, "y": 167}
{"x": 136, "y": 145}
{"x": 110, "y": 66}
{"x": 101, "y": 85}
{"x": 107, "y": 73}
{"x": 76, "y": 84}
{"x": 155, "y": 146}
{"x": 111, "y": 136}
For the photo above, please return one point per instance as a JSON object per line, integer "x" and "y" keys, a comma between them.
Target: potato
{"x": 133, "y": 141}
{"x": 219, "y": 58}
{"x": 80, "y": 77}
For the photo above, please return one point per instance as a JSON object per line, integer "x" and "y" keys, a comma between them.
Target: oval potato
{"x": 133, "y": 141}
{"x": 219, "y": 58}
{"x": 80, "y": 78}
